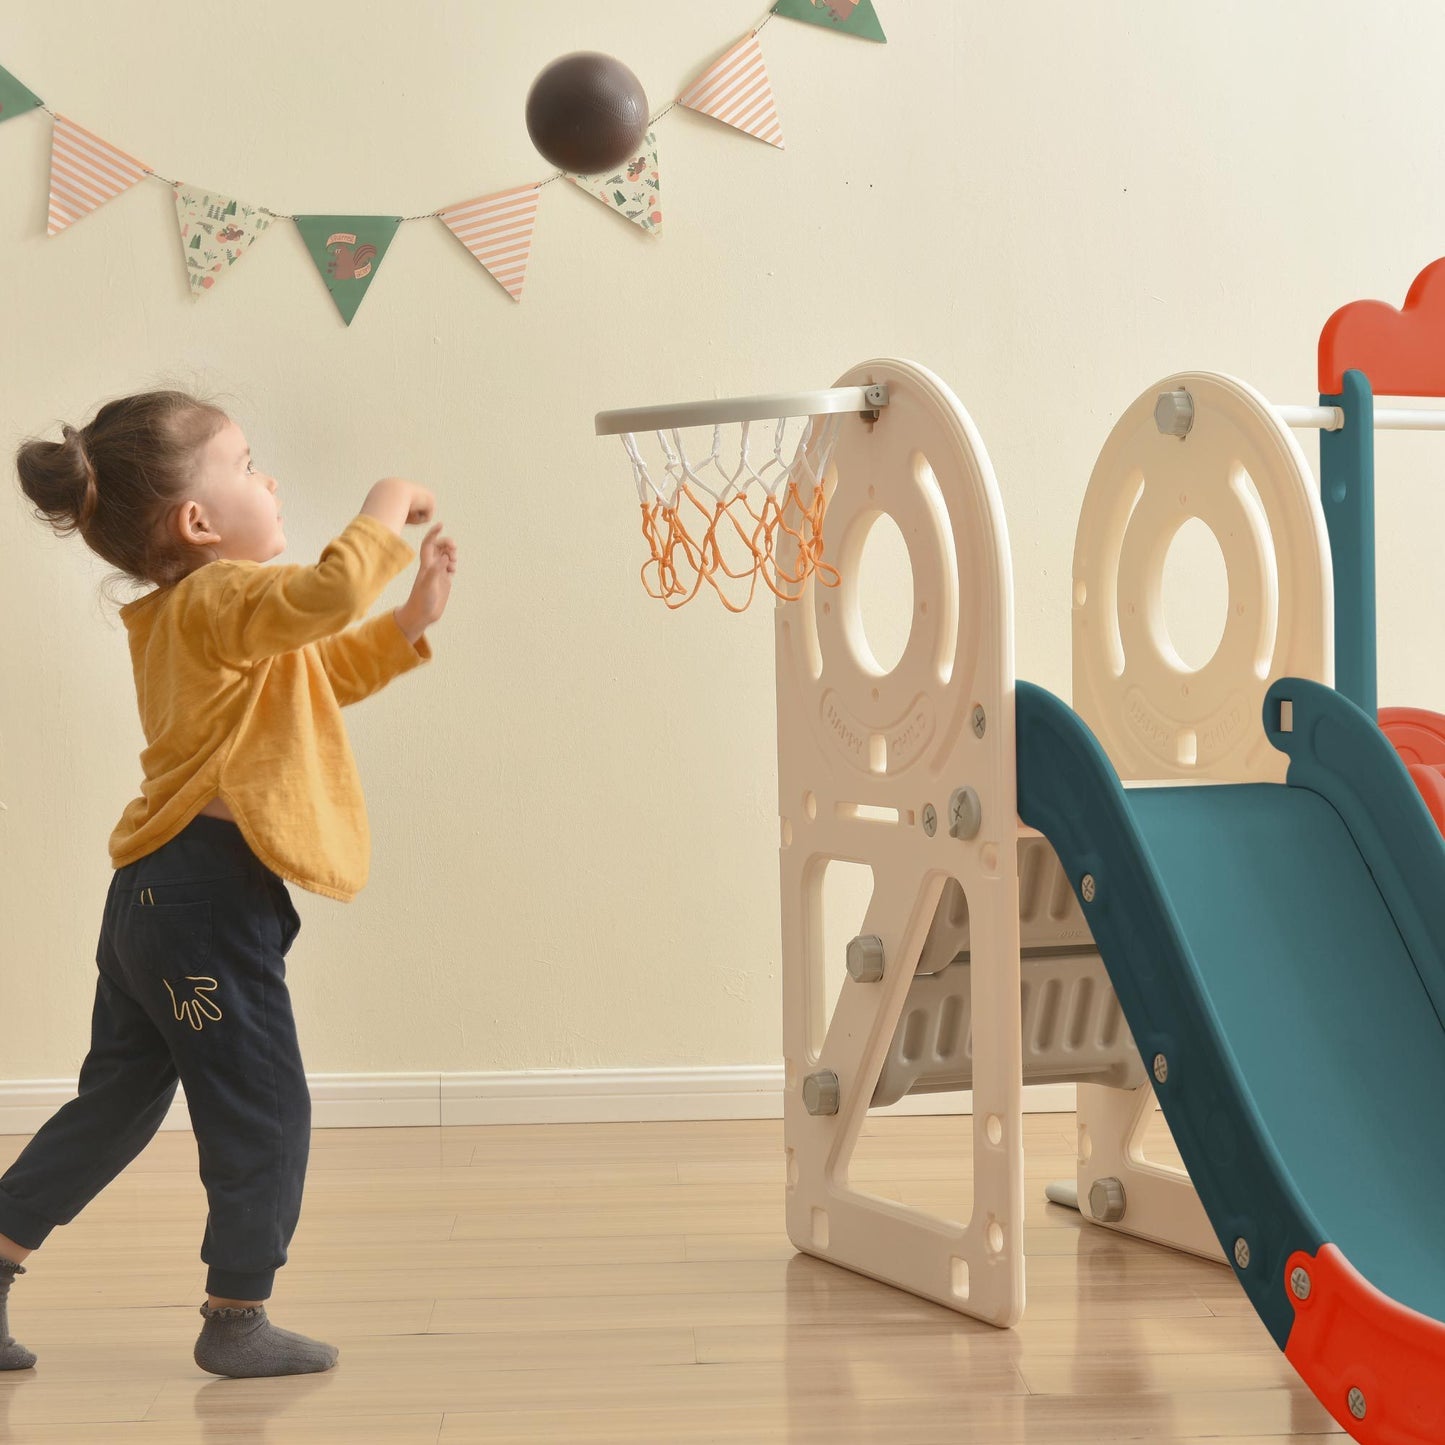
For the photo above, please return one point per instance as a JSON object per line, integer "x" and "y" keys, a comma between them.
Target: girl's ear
{"x": 193, "y": 527}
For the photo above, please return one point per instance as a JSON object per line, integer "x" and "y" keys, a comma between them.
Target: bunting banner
{"x": 736, "y": 90}
{"x": 347, "y": 251}
{"x": 635, "y": 191}
{"x": 497, "y": 230}
{"x": 216, "y": 231}
{"x": 85, "y": 173}
{"x": 857, "y": 17}
{"x": 15, "y": 99}
{"x": 496, "y": 227}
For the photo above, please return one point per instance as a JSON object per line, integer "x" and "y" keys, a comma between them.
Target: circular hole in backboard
{"x": 884, "y": 591}
{"x": 1194, "y": 594}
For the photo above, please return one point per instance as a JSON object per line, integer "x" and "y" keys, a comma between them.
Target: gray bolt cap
{"x": 865, "y": 958}
{"x": 965, "y": 813}
{"x": 820, "y": 1092}
{"x": 1106, "y": 1200}
{"x": 1174, "y": 413}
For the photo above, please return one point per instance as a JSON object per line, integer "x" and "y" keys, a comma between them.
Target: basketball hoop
{"x": 743, "y": 496}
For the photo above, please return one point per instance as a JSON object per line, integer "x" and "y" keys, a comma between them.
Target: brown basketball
{"x": 587, "y": 113}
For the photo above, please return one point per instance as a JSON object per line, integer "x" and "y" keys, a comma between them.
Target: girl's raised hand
{"x": 433, "y": 586}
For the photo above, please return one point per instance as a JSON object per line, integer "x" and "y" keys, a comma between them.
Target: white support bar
{"x": 1332, "y": 418}
{"x": 720, "y": 410}
{"x": 1326, "y": 418}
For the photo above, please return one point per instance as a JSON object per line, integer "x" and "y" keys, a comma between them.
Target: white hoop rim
{"x": 771, "y": 407}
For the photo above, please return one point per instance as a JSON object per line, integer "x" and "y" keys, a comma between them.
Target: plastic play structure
{"x": 1215, "y": 887}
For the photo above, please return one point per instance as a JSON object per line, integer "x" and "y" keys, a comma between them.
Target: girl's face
{"x": 233, "y": 510}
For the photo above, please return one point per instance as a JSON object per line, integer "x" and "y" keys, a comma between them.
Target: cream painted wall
{"x": 1051, "y": 205}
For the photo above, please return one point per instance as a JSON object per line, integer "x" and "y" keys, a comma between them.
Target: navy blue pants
{"x": 192, "y": 985}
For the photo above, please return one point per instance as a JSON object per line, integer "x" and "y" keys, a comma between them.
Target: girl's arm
{"x": 262, "y": 611}
{"x": 364, "y": 658}
{"x": 397, "y": 503}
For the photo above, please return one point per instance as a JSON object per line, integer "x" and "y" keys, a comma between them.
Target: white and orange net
{"x": 730, "y": 514}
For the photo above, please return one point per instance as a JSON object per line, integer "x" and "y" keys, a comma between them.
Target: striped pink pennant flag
{"x": 85, "y": 172}
{"x": 497, "y": 230}
{"x": 736, "y": 90}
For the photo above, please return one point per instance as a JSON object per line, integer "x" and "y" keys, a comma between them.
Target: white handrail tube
{"x": 1332, "y": 418}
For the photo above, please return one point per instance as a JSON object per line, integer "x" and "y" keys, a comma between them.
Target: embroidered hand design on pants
{"x": 190, "y": 1004}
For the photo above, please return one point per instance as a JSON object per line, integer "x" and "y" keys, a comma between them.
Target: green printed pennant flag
{"x": 216, "y": 231}
{"x": 348, "y": 251}
{"x": 15, "y": 99}
{"x": 857, "y": 17}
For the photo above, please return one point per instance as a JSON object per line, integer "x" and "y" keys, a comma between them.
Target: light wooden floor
{"x": 627, "y": 1283}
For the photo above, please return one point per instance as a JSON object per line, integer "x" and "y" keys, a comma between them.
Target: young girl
{"x": 241, "y": 672}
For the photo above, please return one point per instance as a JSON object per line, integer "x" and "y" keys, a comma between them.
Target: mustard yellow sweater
{"x": 241, "y": 672}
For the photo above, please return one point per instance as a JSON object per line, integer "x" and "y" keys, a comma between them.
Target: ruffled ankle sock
{"x": 244, "y": 1344}
{"x": 13, "y": 1355}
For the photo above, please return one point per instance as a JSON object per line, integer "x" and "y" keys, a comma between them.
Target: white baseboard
{"x": 544, "y": 1096}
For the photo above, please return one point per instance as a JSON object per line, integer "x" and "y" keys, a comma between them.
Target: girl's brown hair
{"x": 118, "y": 479}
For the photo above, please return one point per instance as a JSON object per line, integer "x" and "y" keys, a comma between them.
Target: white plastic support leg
{"x": 1159, "y": 1201}
{"x": 1237, "y": 468}
{"x": 866, "y": 757}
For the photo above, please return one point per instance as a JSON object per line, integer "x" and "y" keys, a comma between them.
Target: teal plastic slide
{"x": 1279, "y": 952}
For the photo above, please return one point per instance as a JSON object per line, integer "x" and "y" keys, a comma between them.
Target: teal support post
{"x": 1347, "y": 489}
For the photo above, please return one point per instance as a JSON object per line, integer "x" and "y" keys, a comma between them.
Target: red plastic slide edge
{"x": 1417, "y": 734}
{"x": 1351, "y": 1343}
{"x": 1419, "y": 738}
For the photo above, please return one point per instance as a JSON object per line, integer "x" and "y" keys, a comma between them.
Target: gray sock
{"x": 244, "y": 1344}
{"x": 13, "y": 1356}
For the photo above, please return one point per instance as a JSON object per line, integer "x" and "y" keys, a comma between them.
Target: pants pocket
{"x": 167, "y": 947}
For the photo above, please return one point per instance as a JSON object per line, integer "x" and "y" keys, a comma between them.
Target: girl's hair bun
{"x": 59, "y": 479}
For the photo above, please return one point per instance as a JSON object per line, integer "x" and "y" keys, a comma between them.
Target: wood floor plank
{"x": 211, "y": 1425}
{"x": 945, "y": 1418}
{"x": 175, "y": 1327}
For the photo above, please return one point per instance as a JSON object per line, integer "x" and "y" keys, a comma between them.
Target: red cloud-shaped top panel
{"x": 1402, "y": 352}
